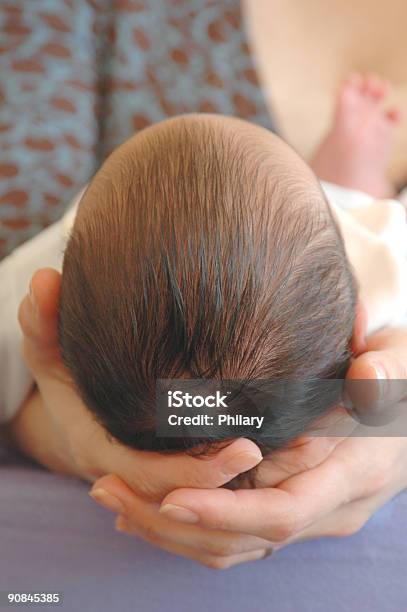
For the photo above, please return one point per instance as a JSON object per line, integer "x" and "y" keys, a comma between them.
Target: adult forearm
{"x": 31, "y": 431}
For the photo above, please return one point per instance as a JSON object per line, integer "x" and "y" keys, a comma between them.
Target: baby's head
{"x": 203, "y": 248}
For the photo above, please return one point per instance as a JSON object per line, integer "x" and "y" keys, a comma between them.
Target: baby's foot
{"x": 356, "y": 152}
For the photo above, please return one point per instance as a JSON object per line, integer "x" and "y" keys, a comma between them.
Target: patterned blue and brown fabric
{"x": 81, "y": 76}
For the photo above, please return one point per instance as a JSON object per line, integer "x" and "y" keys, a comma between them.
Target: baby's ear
{"x": 359, "y": 329}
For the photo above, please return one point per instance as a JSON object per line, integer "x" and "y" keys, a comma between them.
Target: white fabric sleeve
{"x": 346, "y": 198}
{"x": 375, "y": 235}
{"x": 44, "y": 250}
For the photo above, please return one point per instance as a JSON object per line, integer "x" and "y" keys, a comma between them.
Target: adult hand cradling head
{"x": 312, "y": 489}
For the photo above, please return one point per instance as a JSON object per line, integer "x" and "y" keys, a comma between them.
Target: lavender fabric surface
{"x": 54, "y": 537}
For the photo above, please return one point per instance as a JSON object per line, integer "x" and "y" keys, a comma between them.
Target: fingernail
{"x": 382, "y": 381}
{"x": 346, "y": 400}
{"x": 380, "y": 373}
{"x": 121, "y": 524}
{"x": 178, "y": 513}
{"x": 241, "y": 463}
{"x": 106, "y": 500}
{"x": 31, "y": 296}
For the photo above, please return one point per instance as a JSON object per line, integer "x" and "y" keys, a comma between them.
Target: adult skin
{"x": 315, "y": 488}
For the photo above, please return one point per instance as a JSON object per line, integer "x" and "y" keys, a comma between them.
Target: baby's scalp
{"x": 202, "y": 248}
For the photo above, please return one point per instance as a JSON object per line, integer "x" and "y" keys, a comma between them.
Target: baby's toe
{"x": 374, "y": 87}
{"x": 394, "y": 114}
{"x": 349, "y": 92}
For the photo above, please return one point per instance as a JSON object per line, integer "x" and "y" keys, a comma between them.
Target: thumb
{"x": 376, "y": 385}
{"x": 38, "y": 319}
{"x": 152, "y": 475}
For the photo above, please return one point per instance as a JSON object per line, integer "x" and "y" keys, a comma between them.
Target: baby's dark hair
{"x": 203, "y": 248}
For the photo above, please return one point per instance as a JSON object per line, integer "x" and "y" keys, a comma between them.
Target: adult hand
{"x": 249, "y": 525}
{"x": 337, "y": 496}
{"x": 317, "y": 487}
{"x": 57, "y": 429}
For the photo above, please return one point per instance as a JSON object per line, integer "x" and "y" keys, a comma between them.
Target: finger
{"x": 38, "y": 314}
{"x": 144, "y": 520}
{"x": 375, "y": 386}
{"x": 391, "y": 340}
{"x": 350, "y": 517}
{"x": 211, "y": 561}
{"x": 41, "y": 315}
{"x": 302, "y": 454}
{"x": 384, "y": 360}
{"x": 159, "y": 473}
{"x": 273, "y": 513}
{"x": 359, "y": 329}
{"x": 344, "y": 521}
